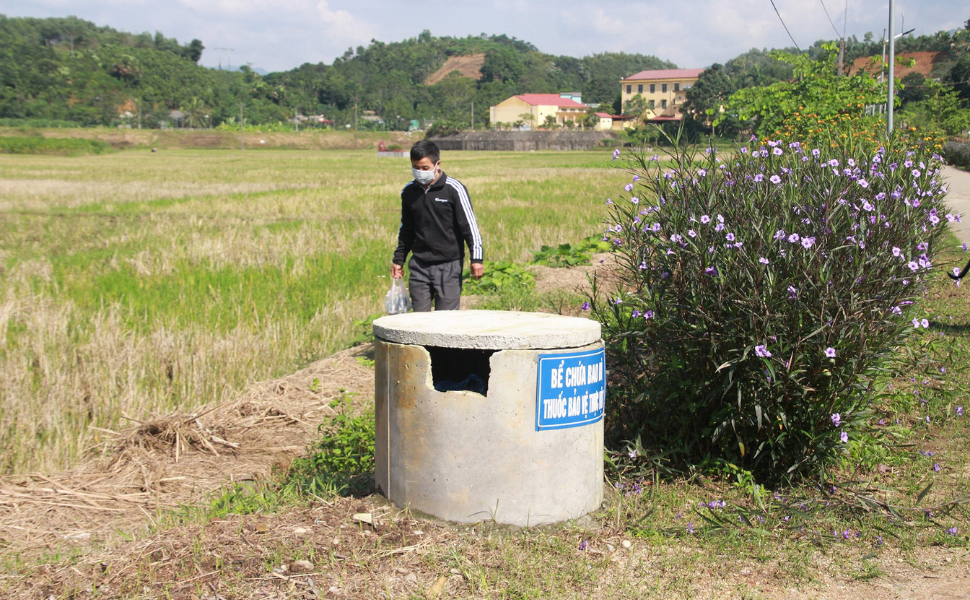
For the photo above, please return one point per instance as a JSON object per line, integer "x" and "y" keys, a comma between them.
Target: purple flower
{"x": 609, "y": 201}
{"x": 705, "y": 219}
{"x": 628, "y": 187}
{"x": 830, "y": 352}
{"x": 916, "y": 173}
{"x": 792, "y": 292}
{"x": 936, "y": 467}
{"x": 836, "y": 419}
{"x": 691, "y": 233}
{"x": 844, "y": 437}
{"x": 952, "y": 531}
{"x": 635, "y": 200}
{"x": 913, "y": 266}
{"x": 778, "y": 234}
{"x": 759, "y": 178}
{"x": 833, "y": 163}
{"x": 583, "y": 545}
{"x": 690, "y": 528}
{"x": 635, "y": 313}
{"x": 896, "y": 251}
{"x": 711, "y": 271}
{"x": 959, "y": 411}
{"x": 763, "y": 260}
{"x": 762, "y": 351}
{"x": 729, "y": 237}
{"x": 585, "y": 306}
{"x": 897, "y": 311}
{"x": 808, "y": 242}
{"x": 816, "y": 152}
{"x": 774, "y": 178}
{"x": 924, "y": 323}
{"x": 793, "y": 238}
{"x": 616, "y": 154}
{"x": 648, "y": 314}
{"x": 777, "y": 152}
{"x": 863, "y": 183}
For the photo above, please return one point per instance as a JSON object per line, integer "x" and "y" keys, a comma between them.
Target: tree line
{"x": 71, "y": 71}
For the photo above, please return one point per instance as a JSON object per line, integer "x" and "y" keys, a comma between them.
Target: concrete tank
{"x": 490, "y": 415}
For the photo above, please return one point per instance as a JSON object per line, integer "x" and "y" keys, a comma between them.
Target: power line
{"x": 785, "y": 26}
{"x": 828, "y": 17}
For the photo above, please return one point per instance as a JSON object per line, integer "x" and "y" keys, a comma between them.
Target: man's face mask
{"x": 424, "y": 177}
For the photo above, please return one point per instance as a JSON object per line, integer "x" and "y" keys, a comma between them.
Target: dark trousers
{"x": 439, "y": 282}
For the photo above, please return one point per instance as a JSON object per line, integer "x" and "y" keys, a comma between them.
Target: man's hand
{"x": 397, "y": 271}
{"x": 477, "y": 270}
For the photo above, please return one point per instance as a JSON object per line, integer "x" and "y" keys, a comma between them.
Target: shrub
{"x": 759, "y": 295}
{"x": 570, "y": 255}
{"x": 957, "y": 154}
{"x": 342, "y": 462}
{"x": 498, "y": 276}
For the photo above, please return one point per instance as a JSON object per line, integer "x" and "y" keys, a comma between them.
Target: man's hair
{"x": 425, "y": 149}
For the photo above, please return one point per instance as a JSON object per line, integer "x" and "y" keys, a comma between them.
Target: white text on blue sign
{"x": 571, "y": 389}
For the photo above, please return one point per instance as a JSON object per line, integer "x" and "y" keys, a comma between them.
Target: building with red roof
{"x": 531, "y": 111}
{"x": 662, "y": 91}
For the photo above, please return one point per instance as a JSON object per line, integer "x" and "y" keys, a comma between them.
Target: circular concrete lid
{"x": 487, "y": 330}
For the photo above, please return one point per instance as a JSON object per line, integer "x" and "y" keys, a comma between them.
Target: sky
{"x": 278, "y": 35}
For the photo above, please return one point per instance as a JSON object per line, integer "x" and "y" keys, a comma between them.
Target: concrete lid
{"x": 487, "y": 330}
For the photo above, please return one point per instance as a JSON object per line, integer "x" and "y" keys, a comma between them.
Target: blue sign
{"x": 571, "y": 389}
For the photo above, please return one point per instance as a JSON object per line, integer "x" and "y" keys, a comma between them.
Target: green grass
{"x": 204, "y": 270}
{"x": 58, "y": 146}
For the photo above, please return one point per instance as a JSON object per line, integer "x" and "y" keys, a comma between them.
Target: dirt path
{"x": 958, "y": 199}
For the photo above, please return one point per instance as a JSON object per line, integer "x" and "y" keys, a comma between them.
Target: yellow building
{"x": 662, "y": 91}
{"x": 533, "y": 110}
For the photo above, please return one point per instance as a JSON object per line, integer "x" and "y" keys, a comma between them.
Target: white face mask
{"x": 424, "y": 177}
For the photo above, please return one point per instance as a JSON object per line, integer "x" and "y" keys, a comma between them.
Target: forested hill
{"x": 71, "y": 70}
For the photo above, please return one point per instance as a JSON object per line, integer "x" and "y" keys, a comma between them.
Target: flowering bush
{"x": 759, "y": 294}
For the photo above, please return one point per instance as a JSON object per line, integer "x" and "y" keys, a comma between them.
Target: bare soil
{"x": 468, "y": 66}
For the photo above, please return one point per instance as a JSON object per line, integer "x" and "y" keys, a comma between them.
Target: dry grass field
{"x": 137, "y": 283}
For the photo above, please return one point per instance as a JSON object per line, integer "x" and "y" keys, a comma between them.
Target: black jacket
{"x": 436, "y": 222}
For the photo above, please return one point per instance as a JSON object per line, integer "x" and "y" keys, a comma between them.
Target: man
{"x": 436, "y": 222}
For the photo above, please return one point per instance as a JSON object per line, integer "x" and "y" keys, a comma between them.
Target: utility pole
{"x": 355, "y": 125}
{"x": 227, "y": 50}
{"x": 473, "y": 115}
{"x": 845, "y": 22}
{"x": 892, "y": 70}
{"x": 242, "y": 137}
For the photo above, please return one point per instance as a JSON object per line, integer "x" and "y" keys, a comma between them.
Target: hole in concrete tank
{"x": 460, "y": 369}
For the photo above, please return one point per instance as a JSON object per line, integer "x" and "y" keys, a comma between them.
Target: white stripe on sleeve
{"x": 466, "y": 206}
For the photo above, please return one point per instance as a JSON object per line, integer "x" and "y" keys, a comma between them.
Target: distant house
{"x": 621, "y": 122}
{"x": 604, "y": 122}
{"x": 663, "y": 91}
{"x": 532, "y": 110}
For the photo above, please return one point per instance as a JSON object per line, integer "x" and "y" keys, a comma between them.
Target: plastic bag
{"x": 397, "y": 300}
